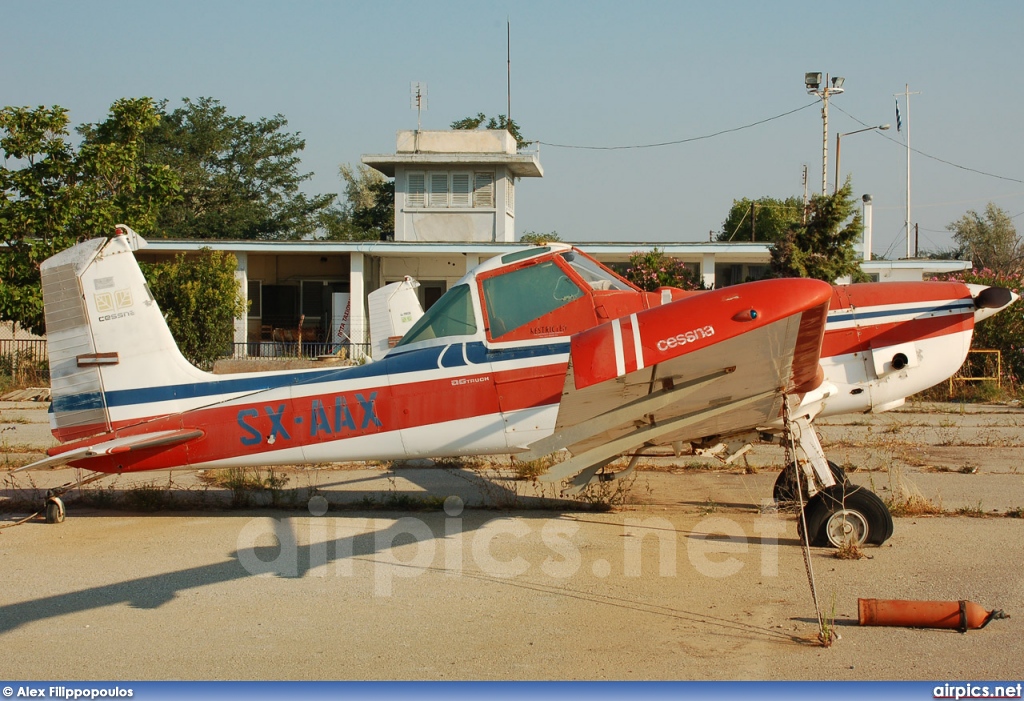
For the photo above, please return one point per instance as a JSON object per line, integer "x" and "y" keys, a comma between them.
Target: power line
{"x": 934, "y": 158}
{"x": 682, "y": 141}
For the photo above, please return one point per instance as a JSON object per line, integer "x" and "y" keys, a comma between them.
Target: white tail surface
{"x": 394, "y": 309}
{"x": 105, "y": 335}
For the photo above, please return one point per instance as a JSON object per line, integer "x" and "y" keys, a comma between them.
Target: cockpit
{"x": 536, "y": 293}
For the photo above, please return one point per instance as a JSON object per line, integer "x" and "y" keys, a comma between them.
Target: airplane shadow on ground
{"x": 154, "y": 591}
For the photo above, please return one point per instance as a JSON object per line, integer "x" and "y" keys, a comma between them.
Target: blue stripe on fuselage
{"x": 964, "y": 306}
{"x": 414, "y": 360}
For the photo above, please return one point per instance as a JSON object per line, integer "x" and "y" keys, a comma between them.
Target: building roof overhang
{"x": 321, "y": 247}
{"x": 724, "y": 252}
{"x": 521, "y": 165}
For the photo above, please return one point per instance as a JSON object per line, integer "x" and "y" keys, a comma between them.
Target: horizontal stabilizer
{"x": 127, "y": 444}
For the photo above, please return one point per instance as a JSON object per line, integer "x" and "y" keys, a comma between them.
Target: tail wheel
{"x": 784, "y": 491}
{"x": 54, "y": 510}
{"x": 843, "y": 515}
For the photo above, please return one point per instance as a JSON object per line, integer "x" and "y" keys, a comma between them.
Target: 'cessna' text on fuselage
{"x": 683, "y": 338}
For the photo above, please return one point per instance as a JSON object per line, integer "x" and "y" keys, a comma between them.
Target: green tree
{"x": 368, "y": 213}
{"x": 764, "y": 219}
{"x": 52, "y": 194}
{"x": 654, "y": 269}
{"x": 239, "y": 178}
{"x": 499, "y": 122}
{"x": 36, "y": 206}
{"x": 823, "y": 247}
{"x": 200, "y": 298}
{"x": 534, "y": 238}
{"x": 989, "y": 240}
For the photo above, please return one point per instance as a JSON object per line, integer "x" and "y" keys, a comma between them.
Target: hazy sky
{"x": 583, "y": 74}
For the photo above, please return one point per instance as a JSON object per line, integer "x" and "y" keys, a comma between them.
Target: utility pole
{"x": 805, "y": 194}
{"x": 508, "y": 71}
{"x": 832, "y": 86}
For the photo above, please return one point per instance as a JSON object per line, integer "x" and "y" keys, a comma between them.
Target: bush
{"x": 1003, "y": 332}
{"x": 654, "y": 269}
{"x": 200, "y": 299}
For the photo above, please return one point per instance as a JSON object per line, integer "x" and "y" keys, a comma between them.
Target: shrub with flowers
{"x": 654, "y": 269}
{"x": 1005, "y": 331}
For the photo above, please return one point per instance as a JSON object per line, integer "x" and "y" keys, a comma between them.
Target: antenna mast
{"x": 418, "y": 99}
{"x": 508, "y": 71}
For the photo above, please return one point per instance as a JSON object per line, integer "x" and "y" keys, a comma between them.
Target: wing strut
{"x": 637, "y": 438}
{"x": 635, "y": 409}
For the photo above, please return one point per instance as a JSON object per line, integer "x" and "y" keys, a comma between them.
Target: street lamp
{"x": 880, "y": 127}
{"x": 833, "y": 86}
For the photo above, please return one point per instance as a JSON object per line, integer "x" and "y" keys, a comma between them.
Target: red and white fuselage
{"x": 510, "y": 355}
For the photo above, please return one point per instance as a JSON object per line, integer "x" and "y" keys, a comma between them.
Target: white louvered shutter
{"x": 417, "y": 194}
{"x": 460, "y": 190}
{"x": 439, "y": 189}
{"x": 483, "y": 190}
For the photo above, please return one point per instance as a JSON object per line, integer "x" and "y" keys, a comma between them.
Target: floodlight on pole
{"x": 833, "y": 86}
{"x": 880, "y": 127}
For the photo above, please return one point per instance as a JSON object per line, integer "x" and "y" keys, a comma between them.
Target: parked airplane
{"x": 532, "y": 352}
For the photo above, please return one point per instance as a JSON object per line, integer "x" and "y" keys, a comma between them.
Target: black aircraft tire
{"x": 784, "y": 491}
{"x": 54, "y": 511}
{"x": 843, "y": 514}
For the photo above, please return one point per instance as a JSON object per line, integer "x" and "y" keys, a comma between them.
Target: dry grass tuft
{"x": 849, "y": 551}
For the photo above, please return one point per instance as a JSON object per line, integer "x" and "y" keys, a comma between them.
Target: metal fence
{"x": 307, "y": 349}
{"x": 980, "y": 366}
{"x": 27, "y": 361}
{"x": 24, "y": 361}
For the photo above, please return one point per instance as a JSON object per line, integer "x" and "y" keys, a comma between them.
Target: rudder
{"x": 105, "y": 335}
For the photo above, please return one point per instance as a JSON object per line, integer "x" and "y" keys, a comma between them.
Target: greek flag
{"x": 899, "y": 122}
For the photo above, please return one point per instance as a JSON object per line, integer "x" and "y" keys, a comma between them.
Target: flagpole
{"x": 906, "y": 94}
{"x": 906, "y": 89}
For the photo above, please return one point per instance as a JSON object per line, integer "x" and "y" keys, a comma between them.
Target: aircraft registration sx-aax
{"x": 532, "y": 352}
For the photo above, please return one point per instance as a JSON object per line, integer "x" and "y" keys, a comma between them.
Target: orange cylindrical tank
{"x": 960, "y": 615}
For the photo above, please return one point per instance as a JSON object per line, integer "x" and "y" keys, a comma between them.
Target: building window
{"x": 461, "y": 193}
{"x": 510, "y": 195}
{"x": 444, "y": 189}
{"x": 417, "y": 196}
{"x": 438, "y": 196}
{"x": 254, "y": 292}
{"x": 483, "y": 189}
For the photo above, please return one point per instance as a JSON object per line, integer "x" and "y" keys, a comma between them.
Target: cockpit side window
{"x": 520, "y": 296}
{"x": 452, "y": 315}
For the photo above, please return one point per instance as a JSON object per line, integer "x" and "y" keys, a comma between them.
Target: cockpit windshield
{"x": 593, "y": 274}
{"x": 452, "y": 315}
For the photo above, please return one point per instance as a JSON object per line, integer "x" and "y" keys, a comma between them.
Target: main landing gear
{"x": 836, "y": 511}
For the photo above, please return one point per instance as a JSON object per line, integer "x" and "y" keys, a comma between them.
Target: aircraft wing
{"x": 114, "y": 446}
{"x": 705, "y": 365}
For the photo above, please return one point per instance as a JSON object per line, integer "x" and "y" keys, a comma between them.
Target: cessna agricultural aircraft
{"x": 532, "y": 352}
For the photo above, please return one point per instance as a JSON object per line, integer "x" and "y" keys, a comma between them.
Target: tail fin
{"x": 106, "y": 338}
